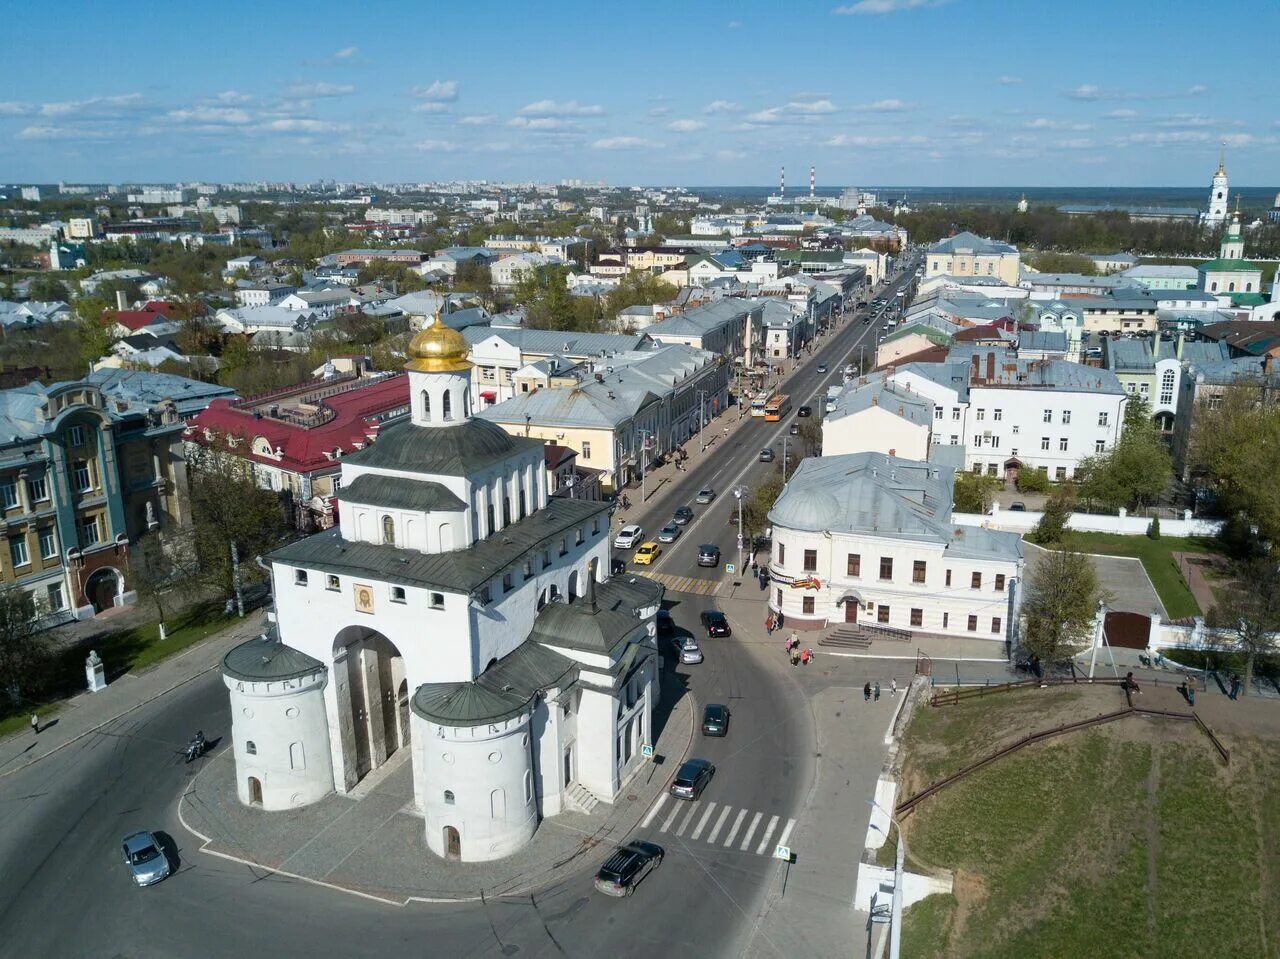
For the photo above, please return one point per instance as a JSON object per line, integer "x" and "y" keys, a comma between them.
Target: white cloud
{"x": 734, "y": 24}
{"x": 438, "y": 90}
{"x": 1075, "y": 143}
{"x": 303, "y": 125}
{"x": 436, "y": 146}
{"x": 727, "y": 155}
{"x": 1044, "y": 123}
{"x": 888, "y": 106}
{"x": 721, "y": 106}
{"x": 623, "y": 143}
{"x": 1008, "y": 80}
{"x": 218, "y": 116}
{"x": 44, "y": 131}
{"x": 542, "y": 123}
{"x": 885, "y": 6}
{"x": 101, "y": 105}
{"x": 1123, "y": 113}
{"x": 232, "y": 96}
{"x": 12, "y": 108}
{"x": 861, "y": 140}
{"x": 1186, "y": 120}
{"x": 771, "y": 115}
{"x": 811, "y": 107}
{"x": 685, "y": 126}
{"x": 556, "y": 108}
{"x": 346, "y": 53}
{"x": 1162, "y": 138}
{"x": 1091, "y": 93}
{"x": 431, "y": 106}
{"x": 659, "y": 111}
{"x": 321, "y": 89}
{"x": 477, "y": 120}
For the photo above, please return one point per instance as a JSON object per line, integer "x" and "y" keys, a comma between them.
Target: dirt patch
{"x": 970, "y": 891}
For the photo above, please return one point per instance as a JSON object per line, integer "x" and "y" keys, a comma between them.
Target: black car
{"x": 664, "y": 622}
{"x": 682, "y": 516}
{"x": 766, "y": 455}
{"x": 795, "y": 429}
{"x": 805, "y": 411}
{"x": 692, "y": 779}
{"x": 708, "y": 555}
{"x": 715, "y": 623}
{"x": 626, "y": 866}
{"x": 715, "y": 720}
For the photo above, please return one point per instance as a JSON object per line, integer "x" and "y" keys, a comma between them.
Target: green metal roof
{"x": 505, "y": 689}
{"x": 398, "y": 492}
{"x": 443, "y": 450}
{"x": 458, "y": 571}
{"x": 1229, "y": 266}
{"x": 262, "y": 659}
{"x": 598, "y": 629}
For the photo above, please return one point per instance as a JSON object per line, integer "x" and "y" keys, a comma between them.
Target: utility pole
{"x": 895, "y": 921}
{"x": 644, "y": 445}
{"x": 702, "y": 396}
{"x": 739, "y": 492}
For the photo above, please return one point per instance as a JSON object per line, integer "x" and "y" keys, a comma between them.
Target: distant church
{"x": 1218, "y": 190}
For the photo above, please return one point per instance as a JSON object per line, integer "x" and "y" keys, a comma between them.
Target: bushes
{"x": 1033, "y": 481}
{"x": 1153, "y": 529}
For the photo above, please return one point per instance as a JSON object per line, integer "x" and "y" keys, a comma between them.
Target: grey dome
{"x": 811, "y": 509}
{"x": 446, "y": 451}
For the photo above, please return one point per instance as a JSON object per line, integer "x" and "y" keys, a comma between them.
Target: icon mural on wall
{"x": 364, "y": 598}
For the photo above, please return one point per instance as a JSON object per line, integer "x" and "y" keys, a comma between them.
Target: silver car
{"x": 145, "y": 858}
{"x": 705, "y": 495}
{"x": 690, "y": 652}
{"x": 669, "y": 533}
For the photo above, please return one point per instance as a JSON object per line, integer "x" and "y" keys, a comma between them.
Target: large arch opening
{"x": 373, "y": 696}
{"x": 103, "y": 588}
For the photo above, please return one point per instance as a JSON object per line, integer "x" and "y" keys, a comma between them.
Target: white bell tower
{"x": 1218, "y": 192}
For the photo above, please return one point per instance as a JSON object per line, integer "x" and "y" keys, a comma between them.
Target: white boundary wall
{"x": 1124, "y": 524}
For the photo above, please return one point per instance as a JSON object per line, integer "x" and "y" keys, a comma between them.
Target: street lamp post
{"x": 739, "y": 493}
{"x": 895, "y": 923}
{"x": 644, "y": 446}
{"x": 702, "y": 396}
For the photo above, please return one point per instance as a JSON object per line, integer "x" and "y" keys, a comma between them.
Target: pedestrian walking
{"x": 781, "y": 619}
{"x": 768, "y": 625}
{"x": 893, "y": 687}
{"x": 877, "y": 690}
{"x": 1236, "y": 684}
{"x": 866, "y": 693}
{"x": 806, "y": 656}
{"x": 35, "y": 724}
{"x": 795, "y": 657}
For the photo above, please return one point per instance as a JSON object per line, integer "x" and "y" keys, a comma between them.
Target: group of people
{"x": 798, "y": 656}
{"x": 872, "y": 690}
{"x": 773, "y": 621}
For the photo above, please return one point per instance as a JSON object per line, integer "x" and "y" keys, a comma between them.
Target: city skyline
{"x": 873, "y": 91}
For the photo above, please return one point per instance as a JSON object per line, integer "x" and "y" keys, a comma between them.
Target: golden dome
{"x": 438, "y": 349}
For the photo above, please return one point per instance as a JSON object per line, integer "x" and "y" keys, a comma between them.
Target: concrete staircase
{"x": 582, "y": 799}
{"x": 847, "y": 637}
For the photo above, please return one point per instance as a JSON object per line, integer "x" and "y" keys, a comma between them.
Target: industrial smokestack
{"x": 782, "y": 183}
{"x": 811, "y": 183}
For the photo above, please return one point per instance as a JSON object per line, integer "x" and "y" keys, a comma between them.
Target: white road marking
{"x": 768, "y": 831}
{"x": 711, "y": 807}
{"x": 737, "y": 824}
{"x": 675, "y": 811}
{"x": 751, "y": 831}
{"x": 786, "y": 832}
{"x": 653, "y": 811}
{"x": 724, "y": 814}
{"x": 684, "y": 823}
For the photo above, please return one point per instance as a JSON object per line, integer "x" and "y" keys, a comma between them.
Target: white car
{"x": 628, "y": 537}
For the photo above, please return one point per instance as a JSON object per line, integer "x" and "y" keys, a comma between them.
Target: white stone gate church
{"x": 460, "y": 613}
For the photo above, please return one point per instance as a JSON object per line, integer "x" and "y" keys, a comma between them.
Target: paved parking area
{"x": 1123, "y": 577}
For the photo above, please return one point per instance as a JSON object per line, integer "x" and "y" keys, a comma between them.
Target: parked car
{"x": 683, "y": 515}
{"x": 705, "y": 495}
{"x": 647, "y": 553}
{"x": 715, "y": 623}
{"x": 795, "y": 429}
{"x": 663, "y": 621}
{"x": 822, "y": 367}
{"x": 805, "y": 411}
{"x": 690, "y": 652}
{"x": 1018, "y": 507}
{"x": 715, "y": 720}
{"x": 708, "y": 555}
{"x": 766, "y": 455}
{"x": 145, "y": 858}
{"x": 692, "y": 778}
{"x": 626, "y": 866}
{"x": 669, "y": 533}
{"x": 627, "y": 537}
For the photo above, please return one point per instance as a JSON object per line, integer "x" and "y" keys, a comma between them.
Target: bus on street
{"x": 777, "y": 408}
{"x": 762, "y": 398}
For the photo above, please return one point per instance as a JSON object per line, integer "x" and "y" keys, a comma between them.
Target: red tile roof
{"x": 136, "y": 320}
{"x": 355, "y": 422}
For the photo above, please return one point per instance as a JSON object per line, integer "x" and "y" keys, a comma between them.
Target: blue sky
{"x": 919, "y": 92}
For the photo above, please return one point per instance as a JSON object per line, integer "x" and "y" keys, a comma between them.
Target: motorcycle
{"x": 195, "y": 747}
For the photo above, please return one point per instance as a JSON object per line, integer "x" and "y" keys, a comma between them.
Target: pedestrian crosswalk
{"x": 686, "y": 584}
{"x": 718, "y": 824}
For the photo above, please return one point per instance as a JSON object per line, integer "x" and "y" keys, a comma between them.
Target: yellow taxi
{"x": 646, "y": 554}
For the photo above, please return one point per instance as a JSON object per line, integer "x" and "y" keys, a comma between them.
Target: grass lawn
{"x": 1127, "y": 840}
{"x": 1157, "y": 559}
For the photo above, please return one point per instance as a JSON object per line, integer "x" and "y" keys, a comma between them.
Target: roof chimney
{"x": 991, "y": 367}
{"x": 591, "y": 585}
{"x": 976, "y": 366}
{"x": 122, "y": 302}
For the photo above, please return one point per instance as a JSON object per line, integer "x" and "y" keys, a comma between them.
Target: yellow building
{"x": 967, "y": 254}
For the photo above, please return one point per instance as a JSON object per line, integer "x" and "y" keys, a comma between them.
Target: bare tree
{"x": 1249, "y": 612}
{"x": 164, "y": 566}
{"x": 25, "y": 643}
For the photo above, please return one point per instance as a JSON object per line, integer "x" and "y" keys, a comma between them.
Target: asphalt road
{"x": 65, "y": 892}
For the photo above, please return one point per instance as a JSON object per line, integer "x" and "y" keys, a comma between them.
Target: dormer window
{"x": 388, "y": 531}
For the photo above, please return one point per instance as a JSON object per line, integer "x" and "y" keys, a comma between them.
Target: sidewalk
{"x": 375, "y": 847}
{"x": 87, "y": 712}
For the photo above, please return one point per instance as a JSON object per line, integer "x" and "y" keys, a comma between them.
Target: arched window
{"x": 426, "y": 405}
{"x": 1167, "y": 379}
{"x": 448, "y": 797}
{"x": 1231, "y": 287}
{"x": 446, "y": 405}
{"x": 296, "y": 758}
{"x": 388, "y": 531}
{"x": 1248, "y": 287}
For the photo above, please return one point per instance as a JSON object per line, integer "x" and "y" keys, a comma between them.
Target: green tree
{"x": 229, "y": 507}
{"x": 95, "y": 341}
{"x": 1236, "y": 442}
{"x": 476, "y": 278}
{"x": 972, "y": 492}
{"x": 1249, "y": 612}
{"x": 1133, "y": 473}
{"x": 387, "y": 273}
{"x": 1059, "y": 605}
{"x": 811, "y": 437}
{"x": 1052, "y": 526}
{"x": 45, "y": 287}
{"x": 548, "y": 305}
{"x": 637, "y": 288}
{"x": 25, "y": 644}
